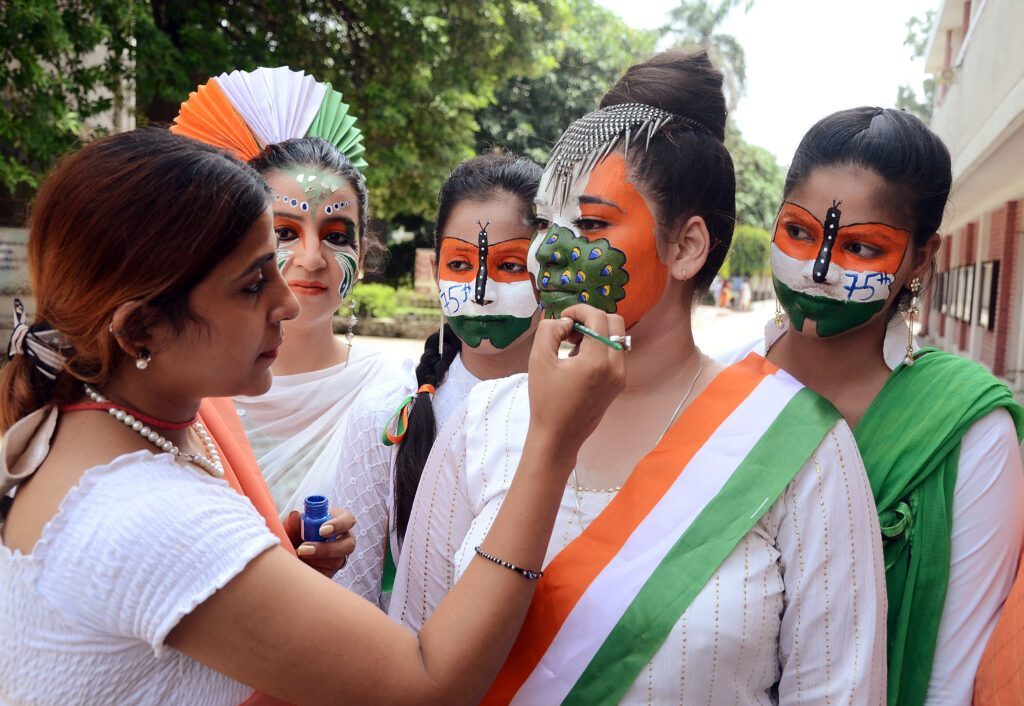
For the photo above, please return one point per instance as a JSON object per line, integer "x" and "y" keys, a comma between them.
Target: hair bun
{"x": 683, "y": 83}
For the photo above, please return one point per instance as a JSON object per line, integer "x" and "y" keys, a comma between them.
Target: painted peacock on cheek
{"x": 574, "y": 269}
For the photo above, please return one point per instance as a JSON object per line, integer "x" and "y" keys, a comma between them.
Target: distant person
{"x": 725, "y": 294}
{"x": 745, "y": 294}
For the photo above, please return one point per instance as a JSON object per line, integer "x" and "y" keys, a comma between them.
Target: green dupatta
{"x": 909, "y": 439}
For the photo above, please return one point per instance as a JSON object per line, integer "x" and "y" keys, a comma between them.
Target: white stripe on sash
{"x": 614, "y": 589}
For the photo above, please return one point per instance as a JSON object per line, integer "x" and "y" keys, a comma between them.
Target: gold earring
{"x": 912, "y": 313}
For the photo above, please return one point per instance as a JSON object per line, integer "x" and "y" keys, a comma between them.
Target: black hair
{"x": 685, "y": 171}
{"x": 895, "y": 145}
{"x": 477, "y": 179}
{"x": 319, "y": 153}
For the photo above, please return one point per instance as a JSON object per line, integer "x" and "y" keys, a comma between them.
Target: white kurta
{"x": 294, "y": 429}
{"x": 795, "y": 614}
{"x": 363, "y": 481}
{"x": 988, "y": 528}
{"x": 136, "y": 546}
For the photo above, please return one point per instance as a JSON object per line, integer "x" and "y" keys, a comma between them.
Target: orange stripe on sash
{"x": 571, "y": 572}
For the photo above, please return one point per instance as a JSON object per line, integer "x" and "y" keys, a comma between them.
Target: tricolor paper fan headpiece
{"x": 244, "y": 111}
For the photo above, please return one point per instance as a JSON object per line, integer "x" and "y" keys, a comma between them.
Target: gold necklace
{"x": 577, "y": 489}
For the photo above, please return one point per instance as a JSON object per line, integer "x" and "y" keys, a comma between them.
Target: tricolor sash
{"x": 610, "y": 598}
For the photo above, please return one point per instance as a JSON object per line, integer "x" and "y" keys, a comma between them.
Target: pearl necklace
{"x": 211, "y": 465}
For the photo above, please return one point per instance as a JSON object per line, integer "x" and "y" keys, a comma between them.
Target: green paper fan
{"x": 334, "y": 124}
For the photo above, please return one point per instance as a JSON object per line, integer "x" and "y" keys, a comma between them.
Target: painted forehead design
{"x": 304, "y": 205}
{"x": 593, "y": 137}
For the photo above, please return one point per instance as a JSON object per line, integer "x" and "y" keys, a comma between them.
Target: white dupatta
{"x": 294, "y": 428}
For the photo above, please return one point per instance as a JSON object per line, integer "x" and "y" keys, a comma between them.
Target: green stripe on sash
{"x": 764, "y": 474}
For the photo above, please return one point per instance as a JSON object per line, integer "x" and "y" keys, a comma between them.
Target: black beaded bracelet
{"x": 525, "y": 573}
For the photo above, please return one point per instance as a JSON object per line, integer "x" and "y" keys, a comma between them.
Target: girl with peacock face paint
{"x": 702, "y": 486}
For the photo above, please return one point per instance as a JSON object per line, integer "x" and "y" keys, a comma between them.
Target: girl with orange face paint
{"x": 938, "y": 434}
{"x": 695, "y": 528}
{"x": 599, "y": 247}
{"x": 497, "y": 305}
{"x": 485, "y": 218}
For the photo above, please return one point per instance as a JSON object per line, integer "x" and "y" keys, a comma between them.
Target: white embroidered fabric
{"x": 795, "y": 614}
{"x": 363, "y": 482}
{"x": 988, "y": 529}
{"x": 136, "y": 546}
{"x": 294, "y": 429}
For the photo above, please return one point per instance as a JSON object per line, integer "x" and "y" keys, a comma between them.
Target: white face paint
{"x": 503, "y": 299}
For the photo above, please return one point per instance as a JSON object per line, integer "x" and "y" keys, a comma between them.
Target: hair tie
{"x": 398, "y": 425}
{"x": 39, "y": 342}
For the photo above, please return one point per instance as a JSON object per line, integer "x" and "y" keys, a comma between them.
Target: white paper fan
{"x": 277, "y": 104}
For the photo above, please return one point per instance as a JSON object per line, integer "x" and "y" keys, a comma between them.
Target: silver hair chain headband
{"x": 577, "y": 150}
{"x": 40, "y": 343}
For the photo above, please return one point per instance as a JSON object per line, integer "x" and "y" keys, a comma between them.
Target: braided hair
{"x": 479, "y": 178}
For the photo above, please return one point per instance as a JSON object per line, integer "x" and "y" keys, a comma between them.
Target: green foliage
{"x": 759, "y": 181}
{"x": 580, "y": 62}
{"x": 749, "y": 254}
{"x": 908, "y": 98}
{"x": 416, "y": 72}
{"x": 694, "y": 24}
{"x": 374, "y": 300}
{"x": 61, "y": 63}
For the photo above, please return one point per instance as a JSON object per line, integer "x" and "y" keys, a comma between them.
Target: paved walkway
{"x": 716, "y": 331}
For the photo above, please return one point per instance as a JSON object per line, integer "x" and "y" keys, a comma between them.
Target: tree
{"x": 61, "y": 63}
{"x": 416, "y": 73}
{"x": 918, "y": 32}
{"x": 695, "y": 23}
{"x": 530, "y": 113}
{"x": 749, "y": 254}
{"x": 759, "y": 181}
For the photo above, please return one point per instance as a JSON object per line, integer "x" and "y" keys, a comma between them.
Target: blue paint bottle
{"x": 315, "y": 515}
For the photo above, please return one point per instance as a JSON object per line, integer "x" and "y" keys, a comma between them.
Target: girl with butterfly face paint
{"x": 319, "y": 205}
{"x": 483, "y": 228}
{"x": 863, "y": 202}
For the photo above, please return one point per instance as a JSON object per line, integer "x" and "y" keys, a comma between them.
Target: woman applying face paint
{"x": 717, "y": 542}
{"x": 852, "y": 249}
{"x": 130, "y": 573}
{"x": 482, "y": 232}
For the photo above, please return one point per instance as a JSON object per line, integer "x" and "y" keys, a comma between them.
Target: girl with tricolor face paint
{"x": 710, "y": 505}
{"x": 482, "y": 232}
{"x": 852, "y": 253}
{"x": 320, "y": 211}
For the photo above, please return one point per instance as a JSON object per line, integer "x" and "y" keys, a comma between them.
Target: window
{"x": 987, "y": 295}
{"x": 968, "y": 309}
{"x": 939, "y": 293}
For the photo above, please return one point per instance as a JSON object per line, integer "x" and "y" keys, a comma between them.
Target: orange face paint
{"x": 506, "y": 261}
{"x": 860, "y": 247}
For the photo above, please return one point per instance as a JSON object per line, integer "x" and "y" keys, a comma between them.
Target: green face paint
{"x": 319, "y": 188}
{"x": 832, "y": 316}
{"x": 501, "y": 331}
{"x": 574, "y": 270}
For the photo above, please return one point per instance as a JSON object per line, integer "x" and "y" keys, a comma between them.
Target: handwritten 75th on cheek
{"x": 862, "y": 285}
{"x": 454, "y": 297}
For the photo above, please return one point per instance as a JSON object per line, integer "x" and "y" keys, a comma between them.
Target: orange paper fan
{"x": 208, "y": 116}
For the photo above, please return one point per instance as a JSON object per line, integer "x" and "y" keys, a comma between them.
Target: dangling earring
{"x": 440, "y": 337}
{"x": 779, "y": 323}
{"x": 142, "y": 360}
{"x": 352, "y": 321}
{"x": 912, "y": 313}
